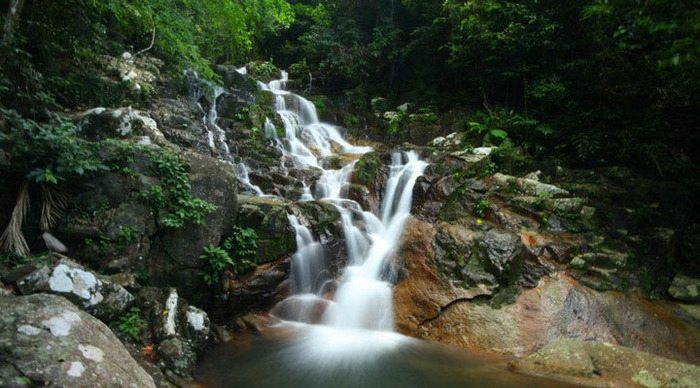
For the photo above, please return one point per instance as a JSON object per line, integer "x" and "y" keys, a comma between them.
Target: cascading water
{"x": 243, "y": 176}
{"x": 354, "y": 345}
{"x": 201, "y": 88}
{"x": 363, "y": 299}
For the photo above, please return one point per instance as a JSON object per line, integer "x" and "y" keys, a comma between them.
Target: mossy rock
{"x": 263, "y": 71}
{"x": 268, "y": 217}
{"x": 323, "y": 216}
{"x": 367, "y": 169}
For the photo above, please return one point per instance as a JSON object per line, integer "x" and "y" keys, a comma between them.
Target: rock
{"x": 96, "y": 294}
{"x": 558, "y": 307}
{"x": 437, "y": 142}
{"x": 529, "y": 186}
{"x": 177, "y": 356}
{"x": 172, "y": 317}
{"x": 452, "y": 140}
{"x": 181, "y": 123}
{"x": 174, "y": 256}
{"x": 230, "y": 104}
{"x": 497, "y": 251}
{"x": 483, "y": 150}
{"x": 600, "y": 270}
{"x": 454, "y": 246}
{"x": 565, "y": 357}
{"x": 46, "y": 340}
{"x": 268, "y": 217}
{"x": 594, "y": 363}
{"x": 255, "y": 291}
{"x": 301, "y": 308}
{"x": 234, "y": 80}
{"x": 100, "y": 123}
{"x": 54, "y": 244}
{"x": 685, "y": 288}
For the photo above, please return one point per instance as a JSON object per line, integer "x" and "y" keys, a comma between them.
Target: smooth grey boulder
{"x": 46, "y": 340}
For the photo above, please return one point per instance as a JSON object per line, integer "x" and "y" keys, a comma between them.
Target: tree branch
{"x": 153, "y": 39}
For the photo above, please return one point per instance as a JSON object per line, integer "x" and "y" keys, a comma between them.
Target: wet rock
{"x": 177, "y": 356}
{"x": 180, "y": 120}
{"x": 598, "y": 363}
{"x": 422, "y": 291}
{"x": 94, "y": 293}
{"x": 46, "y": 340}
{"x": 268, "y": 217}
{"x": 255, "y": 291}
{"x": 685, "y": 288}
{"x": 301, "y": 308}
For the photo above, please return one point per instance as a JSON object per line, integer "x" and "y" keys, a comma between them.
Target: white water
{"x": 242, "y": 174}
{"x": 216, "y": 137}
{"x": 363, "y": 300}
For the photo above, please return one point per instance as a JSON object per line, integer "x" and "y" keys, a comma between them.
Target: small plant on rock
{"x": 234, "y": 255}
{"x": 481, "y": 207}
{"x": 131, "y": 323}
{"x": 217, "y": 260}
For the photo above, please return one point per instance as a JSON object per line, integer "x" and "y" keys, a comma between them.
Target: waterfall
{"x": 363, "y": 299}
{"x": 201, "y": 88}
{"x": 243, "y": 177}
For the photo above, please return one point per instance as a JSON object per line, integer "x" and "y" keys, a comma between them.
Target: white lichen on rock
{"x": 60, "y": 325}
{"x": 74, "y": 280}
{"x": 28, "y": 330}
{"x": 91, "y": 352}
{"x": 195, "y": 318}
{"x": 171, "y": 308}
{"x": 76, "y": 369}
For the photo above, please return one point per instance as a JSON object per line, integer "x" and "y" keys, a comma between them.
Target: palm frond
{"x": 12, "y": 240}
{"x": 53, "y": 202}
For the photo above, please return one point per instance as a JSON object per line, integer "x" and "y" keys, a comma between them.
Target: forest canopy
{"x": 599, "y": 82}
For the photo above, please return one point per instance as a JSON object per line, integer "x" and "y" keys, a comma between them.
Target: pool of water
{"x": 296, "y": 355}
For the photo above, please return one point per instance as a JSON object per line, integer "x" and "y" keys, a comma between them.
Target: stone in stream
{"x": 46, "y": 340}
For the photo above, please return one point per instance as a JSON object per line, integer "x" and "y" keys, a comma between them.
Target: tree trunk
{"x": 11, "y": 20}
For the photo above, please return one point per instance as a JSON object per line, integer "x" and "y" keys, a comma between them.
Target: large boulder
{"x": 174, "y": 256}
{"x": 597, "y": 363}
{"x": 558, "y": 307}
{"x": 46, "y": 340}
{"x": 94, "y": 293}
